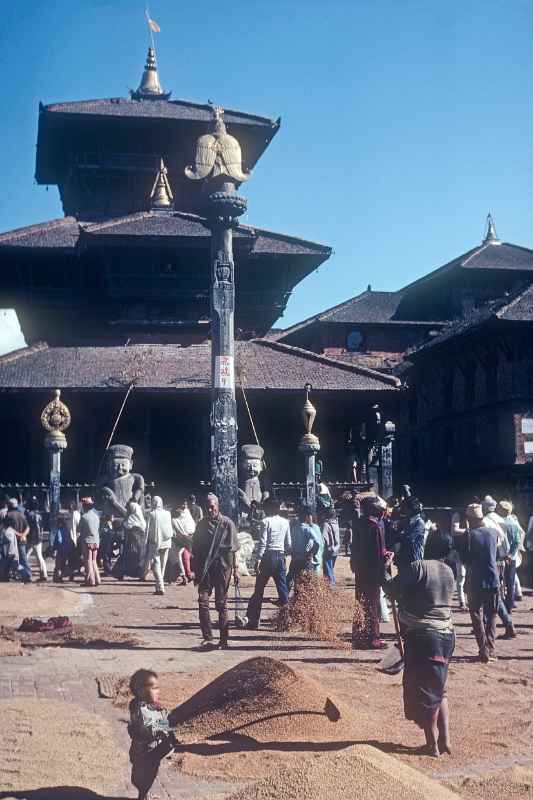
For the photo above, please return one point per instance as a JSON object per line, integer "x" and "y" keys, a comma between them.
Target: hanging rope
{"x": 242, "y": 379}
{"x": 130, "y": 387}
{"x": 117, "y": 420}
{"x": 250, "y": 415}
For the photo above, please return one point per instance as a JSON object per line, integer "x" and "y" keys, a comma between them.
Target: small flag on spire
{"x": 152, "y": 24}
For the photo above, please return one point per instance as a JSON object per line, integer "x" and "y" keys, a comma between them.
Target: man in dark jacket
{"x": 16, "y": 520}
{"x": 412, "y": 533}
{"x": 214, "y": 545}
{"x": 368, "y": 563}
{"x": 479, "y": 548}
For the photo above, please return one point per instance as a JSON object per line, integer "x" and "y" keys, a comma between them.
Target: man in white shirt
{"x": 274, "y": 545}
{"x": 495, "y": 522}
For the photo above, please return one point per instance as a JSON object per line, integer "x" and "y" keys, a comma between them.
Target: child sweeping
{"x": 151, "y": 737}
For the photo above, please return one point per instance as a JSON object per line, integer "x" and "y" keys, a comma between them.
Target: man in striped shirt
{"x": 274, "y": 545}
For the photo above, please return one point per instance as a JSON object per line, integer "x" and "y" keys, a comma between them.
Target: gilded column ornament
{"x": 309, "y": 446}
{"x": 55, "y": 420}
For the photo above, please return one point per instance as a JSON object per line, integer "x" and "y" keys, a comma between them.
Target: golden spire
{"x": 161, "y": 195}
{"x": 150, "y": 87}
{"x": 491, "y": 237}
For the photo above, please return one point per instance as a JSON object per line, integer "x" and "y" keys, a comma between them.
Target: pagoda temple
{"x": 460, "y": 340}
{"x": 114, "y": 296}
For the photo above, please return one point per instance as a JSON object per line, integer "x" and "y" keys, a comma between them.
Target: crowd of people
{"x": 88, "y": 544}
{"x": 476, "y": 556}
{"x": 400, "y": 559}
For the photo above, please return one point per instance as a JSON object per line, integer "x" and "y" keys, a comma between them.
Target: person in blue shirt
{"x": 307, "y": 546}
{"x": 411, "y": 534}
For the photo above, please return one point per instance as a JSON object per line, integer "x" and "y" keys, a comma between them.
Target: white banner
{"x": 224, "y": 375}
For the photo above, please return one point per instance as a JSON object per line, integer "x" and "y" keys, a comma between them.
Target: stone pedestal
{"x": 55, "y": 442}
{"x": 309, "y": 450}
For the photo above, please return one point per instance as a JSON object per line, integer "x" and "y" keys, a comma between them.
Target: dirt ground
{"x": 491, "y": 705}
{"x": 18, "y": 600}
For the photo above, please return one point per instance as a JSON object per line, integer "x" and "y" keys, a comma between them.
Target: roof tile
{"x": 260, "y": 364}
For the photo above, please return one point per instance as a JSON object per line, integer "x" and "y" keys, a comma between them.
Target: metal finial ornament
{"x": 491, "y": 237}
{"x": 150, "y": 86}
{"x": 55, "y": 415}
{"x": 55, "y": 419}
{"x": 217, "y": 153}
{"x": 161, "y": 195}
{"x": 308, "y": 416}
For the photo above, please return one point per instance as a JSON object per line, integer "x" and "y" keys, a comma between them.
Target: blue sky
{"x": 403, "y": 123}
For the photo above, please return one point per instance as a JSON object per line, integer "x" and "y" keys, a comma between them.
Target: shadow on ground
{"x": 239, "y": 743}
{"x": 58, "y": 793}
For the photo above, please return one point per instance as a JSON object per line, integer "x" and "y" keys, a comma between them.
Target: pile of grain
{"x": 264, "y": 700}
{"x": 324, "y": 612}
{"x": 360, "y": 773}
{"x": 512, "y": 784}
{"x": 75, "y": 636}
{"x": 49, "y": 743}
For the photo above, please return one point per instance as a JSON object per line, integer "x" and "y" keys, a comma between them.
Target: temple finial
{"x": 161, "y": 197}
{"x": 150, "y": 87}
{"x": 491, "y": 237}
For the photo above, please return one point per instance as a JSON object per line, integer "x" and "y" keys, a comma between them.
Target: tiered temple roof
{"x": 260, "y": 364}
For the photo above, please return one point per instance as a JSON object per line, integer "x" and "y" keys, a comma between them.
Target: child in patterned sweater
{"x": 151, "y": 737}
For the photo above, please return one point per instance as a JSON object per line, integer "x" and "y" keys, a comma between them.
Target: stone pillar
{"x": 224, "y": 208}
{"x": 309, "y": 446}
{"x": 55, "y": 419}
{"x": 218, "y": 164}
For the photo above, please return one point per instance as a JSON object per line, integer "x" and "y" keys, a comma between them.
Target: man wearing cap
{"x": 478, "y": 551}
{"x": 274, "y": 546}
{"x": 412, "y": 533}
{"x": 514, "y": 539}
{"x": 89, "y": 540}
{"x": 214, "y": 544}
{"x": 368, "y": 564}
{"x": 493, "y": 520}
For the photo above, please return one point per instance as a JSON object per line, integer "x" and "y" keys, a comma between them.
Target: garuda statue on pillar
{"x": 217, "y": 154}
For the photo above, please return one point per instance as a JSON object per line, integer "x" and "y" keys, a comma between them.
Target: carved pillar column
{"x": 55, "y": 419}
{"x": 224, "y": 207}
{"x": 218, "y": 163}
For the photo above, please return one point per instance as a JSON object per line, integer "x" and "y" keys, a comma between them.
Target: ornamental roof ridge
{"x": 321, "y": 359}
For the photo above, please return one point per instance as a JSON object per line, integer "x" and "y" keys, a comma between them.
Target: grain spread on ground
{"x": 74, "y": 636}
{"x": 359, "y": 773}
{"x": 40, "y": 737}
{"x": 509, "y": 784}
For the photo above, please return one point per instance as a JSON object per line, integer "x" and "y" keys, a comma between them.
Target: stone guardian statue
{"x": 119, "y": 484}
{"x": 252, "y": 465}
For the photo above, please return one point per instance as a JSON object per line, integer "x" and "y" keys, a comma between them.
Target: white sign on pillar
{"x": 224, "y": 372}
